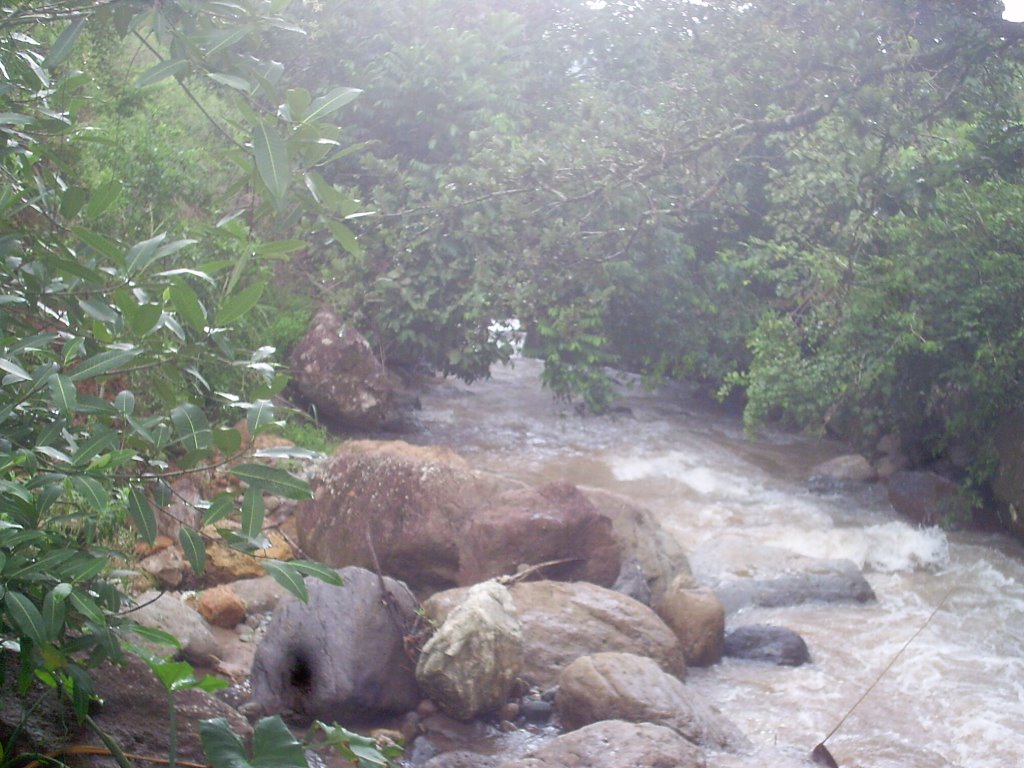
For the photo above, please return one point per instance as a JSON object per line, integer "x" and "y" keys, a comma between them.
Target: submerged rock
{"x": 764, "y": 642}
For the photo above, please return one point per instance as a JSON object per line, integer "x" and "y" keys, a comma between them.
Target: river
{"x": 954, "y": 697}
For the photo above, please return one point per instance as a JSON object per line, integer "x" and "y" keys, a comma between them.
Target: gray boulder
{"x": 928, "y": 498}
{"x": 470, "y": 664}
{"x": 764, "y": 642}
{"x": 167, "y": 612}
{"x": 623, "y": 686}
{"x": 842, "y": 473}
{"x": 340, "y": 656}
{"x": 614, "y": 744}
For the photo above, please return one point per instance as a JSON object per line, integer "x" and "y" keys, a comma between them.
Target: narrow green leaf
{"x": 259, "y": 415}
{"x": 280, "y": 247}
{"x": 143, "y": 253}
{"x": 223, "y": 505}
{"x": 232, "y": 81}
{"x": 344, "y": 236}
{"x": 330, "y": 103}
{"x": 271, "y": 160}
{"x": 297, "y": 101}
{"x": 62, "y": 46}
{"x": 14, "y": 370}
{"x": 227, "y": 440}
{"x": 235, "y": 307}
{"x": 164, "y": 69}
{"x": 153, "y": 635}
{"x": 192, "y": 427}
{"x": 188, "y": 306}
{"x": 252, "y": 512}
{"x": 288, "y": 577}
{"x": 102, "y": 198}
{"x": 98, "y": 310}
{"x": 53, "y": 613}
{"x": 319, "y": 571}
{"x": 104, "y": 362}
{"x": 145, "y": 319}
{"x": 101, "y": 244}
{"x": 142, "y": 514}
{"x": 63, "y": 394}
{"x": 272, "y": 480}
{"x": 91, "y": 491}
{"x": 86, "y": 606}
{"x": 26, "y": 617}
{"x": 194, "y": 548}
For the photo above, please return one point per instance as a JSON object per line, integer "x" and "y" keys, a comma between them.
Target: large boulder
{"x": 644, "y": 544}
{"x": 335, "y": 369}
{"x": 554, "y": 523}
{"x": 562, "y": 621}
{"x": 471, "y": 663}
{"x": 341, "y": 655}
{"x": 614, "y": 744}
{"x": 410, "y": 501}
{"x": 842, "y": 473}
{"x": 624, "y": 686}
{"x": 928, "y": 498}
{"x": 166, "y": 611}
{"x": 765, "y": 642}
{"x": 697, "y": 617}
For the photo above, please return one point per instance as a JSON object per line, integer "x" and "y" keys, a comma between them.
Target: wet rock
{"x": 462, "y": 759}
{"x": 525, "y": 527}
{"x": 412, "y": 501}
{"x": 743, "y": 572}
{"x": 470, "y": 664}
{"x": 562, "y": 621}
{"x": 184, "y": 509}
{"x": 167, "y": 612}
{"x": 842, "y": 473}
{"x": 536, "y": 710}
{"x": 341, "y": 655}
{"x": 831, "y": 581}
{"x": 642, "y": 540}
{"x": 623, "y": 686}
{"x": 764, "y": 642}
{"x": 1008, "y": 485}
{"x": 225, "y": 564}
{"x": 697, "y": 617}
{"x": 614, "y": 744}
{"x": 335, "y": 369}
{"x": 260, "y": 595}
{"x": 222, "y": 607}
{"x": 167, "y": 566}
{"x": 632, "y": 582}
{"x": 928, "y": 498}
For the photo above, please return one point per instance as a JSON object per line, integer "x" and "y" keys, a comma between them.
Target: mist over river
{"x": 955, "y": 697}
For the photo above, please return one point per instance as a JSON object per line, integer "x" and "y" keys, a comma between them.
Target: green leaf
{"x": 194, "y": 548}
{"x": 62, "y": 46}
{"x": 54, "y": 610}
{"x": 188, "y": 306}
{"x": 14, "y": 370}
{"x": 274, "y": 746}
{"x": 145, "y": 319}
{"x": 98, "y": 310}
{"x": 318, "y": 571}
{"x": 344, "y": 236}
{"x": 164, "y": 69}
{"x": 274, "y": 481}
{"x": 232, "y": 81}
{"x": 26, "y": 617}
{"x": 173, "y": 675}
{"x": 271, "y": 160}
{"x": 279, "y": 247}
{"x": 101, "y": 244}
{"x": 297, "y": 101}
{"x": 227, "y": 440}
{"x": 238, "y": 305}
{"x": 153, "y": 635}
{"x": 252, "y": 512}
{"x": 102, "y": 198}
{"x": 259, "y": 415}
{"x": 192, "y": 427}
{"x": 124, "y": 402}
{"x": 221, "y": 746}
{"x": 142, "y": 515}
{"x": 222, "y": 506}
{"x": 92, "y": 491}
{"x": 143, "y": 253}
{"x": 330, "y": 103}
{"x": 288, "y": 577}
{"x": 104, "y": 362}
{"x": 63, "y": 395}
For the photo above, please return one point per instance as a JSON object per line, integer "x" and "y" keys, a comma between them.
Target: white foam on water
{"x": 886, "y": 548}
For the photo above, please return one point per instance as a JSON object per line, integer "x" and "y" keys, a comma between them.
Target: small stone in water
{"x": 536, "y": 710}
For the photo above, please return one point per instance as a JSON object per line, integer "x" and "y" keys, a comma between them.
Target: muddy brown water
{"x": 955, "y": 697}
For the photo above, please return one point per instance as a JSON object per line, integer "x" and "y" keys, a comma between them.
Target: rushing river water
{"x": 955, "y": 697}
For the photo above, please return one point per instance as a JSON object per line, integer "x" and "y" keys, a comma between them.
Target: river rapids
{"x": 953, "y": 697}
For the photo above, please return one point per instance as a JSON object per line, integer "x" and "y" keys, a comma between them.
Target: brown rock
{"x": 225, "y": 564}
{"x": 615, "y": 744}
{"x": 562, "y": 621}
{"x": 167, "y": 566}
{"x": 842, "y": 473}
{"x": 412, "y": 501}
{"x": 222, "y": 607}
{"x": 336, "y": 370}
{"x": 697, "y": 617}
{"x": 527, "y": 527}
{"x": 624, "y": 686}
